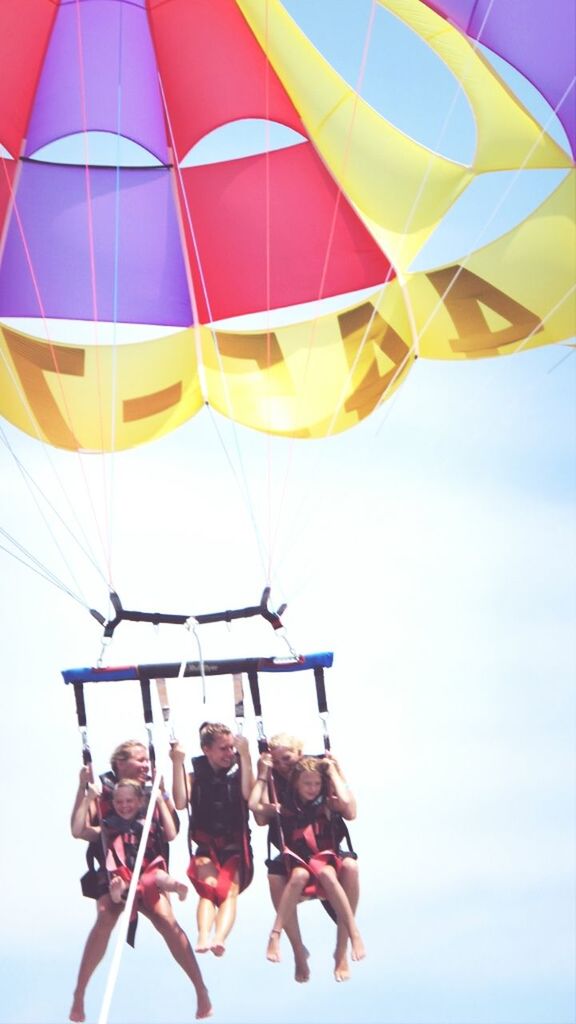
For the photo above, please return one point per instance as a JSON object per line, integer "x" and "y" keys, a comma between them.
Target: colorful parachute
{"x": 184, "y": 248}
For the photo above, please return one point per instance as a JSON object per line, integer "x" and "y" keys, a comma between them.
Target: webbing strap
{"x": 82, "y": 722}
{"x": 257, "y": 705}
{"x": 148, "y": 719}
{"x": 322, "y": 703}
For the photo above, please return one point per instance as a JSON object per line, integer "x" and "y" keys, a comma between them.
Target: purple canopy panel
{"x": 537, "y": 38}
{"x": 132, "y": 216}
{"x": 102, "y": 51}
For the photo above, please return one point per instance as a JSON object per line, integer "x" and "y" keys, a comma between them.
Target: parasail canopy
{"x": 186, "y": 247}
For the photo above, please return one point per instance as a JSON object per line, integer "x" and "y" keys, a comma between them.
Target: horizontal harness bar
{"x": 195, "y": 668}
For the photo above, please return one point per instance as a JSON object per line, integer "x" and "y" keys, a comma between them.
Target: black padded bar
{"x": 158, "y": 618}
{"x": 146, "y": 700}
{"x": 320, "y": 689}
{"x": 255, "y": 691}
{"x": 80, "y": 705}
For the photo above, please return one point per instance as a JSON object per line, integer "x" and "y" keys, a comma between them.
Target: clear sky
{"x": 433, "y": 549}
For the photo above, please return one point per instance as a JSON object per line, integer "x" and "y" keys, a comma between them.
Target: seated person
{"x": 122, "y": 831}
{"x": 311, "y": 846}
{"x": 91, "y": 805}
{"x": 274, "y": 770}
{"x": 217, "y": 793}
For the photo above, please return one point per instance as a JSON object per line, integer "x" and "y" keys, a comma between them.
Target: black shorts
{"x": 277, "y": 865}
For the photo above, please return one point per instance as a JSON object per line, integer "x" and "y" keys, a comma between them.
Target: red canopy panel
{"x": 213, "y": 70}
{"x": 273, "y": 230}
{"x": 25, "y": 27}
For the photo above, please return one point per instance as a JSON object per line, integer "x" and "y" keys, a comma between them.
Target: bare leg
{"x": 225, "y": 917}
{"x": 206, "y": 912}
{"x": 287, "y": 906}
{"x": 350, "y": 882}
{"x": 162, "y": 917}
{"x": 107, "y": 914}
{"x": 166, "y": 883}
{"x": 339, "y": 900}
{"x": 205, "y": 916}
{"x": 292, "y": 928}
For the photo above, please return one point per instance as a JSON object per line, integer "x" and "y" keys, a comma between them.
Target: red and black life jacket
{"x": 219, "y": 827}
{"x": 95, "y": 881}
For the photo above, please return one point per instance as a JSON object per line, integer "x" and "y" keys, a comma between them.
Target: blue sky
{"x": 433, "y": 549}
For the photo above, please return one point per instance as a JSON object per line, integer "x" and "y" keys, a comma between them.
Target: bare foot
{"x": 302, "y": 970}
{"x": 204, "y": 1007}
{"x": 116, "y": 889}
{"x": 218, "y": 948}
{"x": 182, "y": 890}
{"x": 358, "y": 951}
{"x": 273, "y": 948}
{"x": 341, "y": 966}
{"x": 77, "y": 1012}
{"x": 203, "y": 944}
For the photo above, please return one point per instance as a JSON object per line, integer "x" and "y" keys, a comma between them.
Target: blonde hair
{"x": 283, "y": 739}
{"x": 123, "y": 752}
{"x": 317, "y": 765}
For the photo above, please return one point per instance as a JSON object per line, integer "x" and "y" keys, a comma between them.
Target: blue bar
{"x": 193, "y": 668}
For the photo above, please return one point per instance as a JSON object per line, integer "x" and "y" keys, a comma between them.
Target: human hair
{"x": 309, "y": 764}
{"x": 123, "y": 752}
{"x": 130, "y": 784}
{"x": 283, "y": 739}
{"x": 209, "y": 731}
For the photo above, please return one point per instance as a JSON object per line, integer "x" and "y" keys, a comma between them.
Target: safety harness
{"x": 219, "y": 827}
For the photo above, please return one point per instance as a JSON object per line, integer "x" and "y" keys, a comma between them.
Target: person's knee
{"x": 107, "y": 915}
{"x": 297, "y": 880}
{"x": 327, "y": 877}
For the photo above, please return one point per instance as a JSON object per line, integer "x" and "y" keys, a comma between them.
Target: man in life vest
{"x": 129, "y": 761}
{"x": 272, "y": 784}
{"x": 216, "y": 793}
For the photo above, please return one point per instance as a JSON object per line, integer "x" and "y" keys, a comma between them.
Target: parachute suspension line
{"x": 345, "y": 157}
{"x": 243, "y": 486}
{"x": 570, "y": 352}
{"x": 30, "y": 484}
{"x": 414, "y": 348}
{"x": 124, "y": 923}
{"x": 241, "y": 479}
{"x": 462, "y": 263}
{"x": 178, "y": 183}
{"x": 105, "y": 540}
{"x": 55, "y": 367}
{"x": 115, "y": 303}
{"x": 274, "y": 531}
{"x": 268, "y": 263}
{"x": 38, "y": 567}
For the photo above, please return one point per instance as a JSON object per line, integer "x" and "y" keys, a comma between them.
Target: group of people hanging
{"x": 304, "y": 801}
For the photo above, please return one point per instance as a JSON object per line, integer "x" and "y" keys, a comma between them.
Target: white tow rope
{"x": 125, "y": 917}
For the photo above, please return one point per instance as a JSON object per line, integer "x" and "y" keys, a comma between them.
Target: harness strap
{"x": 226, "y": 871}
